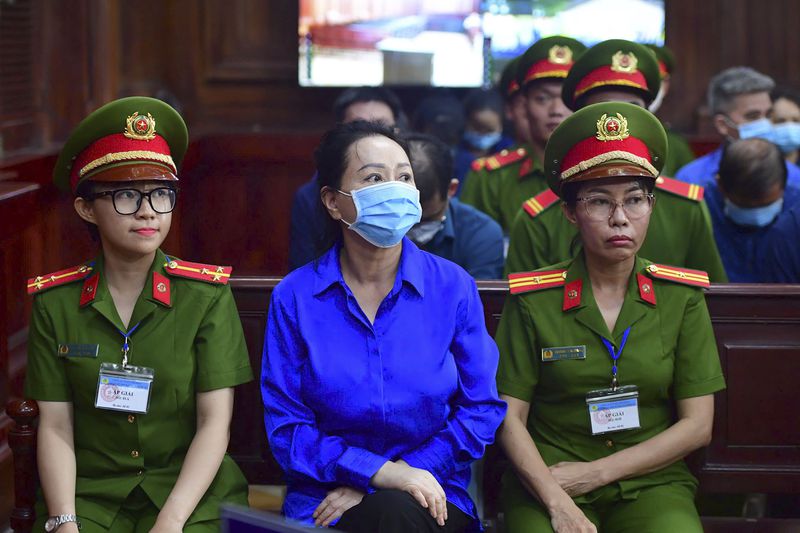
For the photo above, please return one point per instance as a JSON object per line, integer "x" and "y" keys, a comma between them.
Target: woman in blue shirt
{"x": 378, "y": 371}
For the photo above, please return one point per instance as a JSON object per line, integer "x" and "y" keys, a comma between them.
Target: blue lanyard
{"x": 615, "y": 355}
{"x": 126, "y": 346}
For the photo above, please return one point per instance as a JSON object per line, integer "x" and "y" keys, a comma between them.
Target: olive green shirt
{"x": 671, "y": 354}
{"x": 678, "y": 153}
{"x": 195, "y": 344}
{"x": 501, "y": 192}
{"x": 679, "y": 234}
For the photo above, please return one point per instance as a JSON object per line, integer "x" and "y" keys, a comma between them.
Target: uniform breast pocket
{"x": 82, "y": 367}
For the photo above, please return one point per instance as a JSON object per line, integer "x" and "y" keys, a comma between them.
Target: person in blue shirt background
{"x": 378, "y": 372}
{"x": 782, "y": 249}
{"x": 483, "y": 129}
{"x": 448, "y": 228}
{"x": 307, "y": 219}
{"x": 740, "y": 105}
{"x": 785, "y": 118}
{"x": 750, "y": 194}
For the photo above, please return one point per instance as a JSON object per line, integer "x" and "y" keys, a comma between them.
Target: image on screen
{"x": 451, "y": 43}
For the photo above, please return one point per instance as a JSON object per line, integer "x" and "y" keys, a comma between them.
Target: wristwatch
{"x": 54, "y": 522}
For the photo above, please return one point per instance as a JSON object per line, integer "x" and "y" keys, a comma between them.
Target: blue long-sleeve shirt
{"x": 741, "y": 248}
{"x": 343, "y": 396}
{"x": 782, "y": 249}
{"x": 307, "y": 224}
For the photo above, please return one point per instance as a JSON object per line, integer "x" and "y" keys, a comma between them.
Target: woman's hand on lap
{"x": 418, "y": 482}
{"x": 335, "y": 504}
{"x": 576, "y": 478}
{"x": 568, "y": 518}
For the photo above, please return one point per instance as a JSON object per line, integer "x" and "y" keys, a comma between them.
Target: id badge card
{"x": 124, "y": 388}
{"x": 613, "y": 410}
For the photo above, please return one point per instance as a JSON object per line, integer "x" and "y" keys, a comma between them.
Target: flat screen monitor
{"x": 451, "y": 43}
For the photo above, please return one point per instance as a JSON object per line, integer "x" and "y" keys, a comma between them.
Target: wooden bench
{"x": 756, "y": 442}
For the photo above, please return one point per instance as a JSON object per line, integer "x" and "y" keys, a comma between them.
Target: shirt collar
{"x": 329, "y": 272}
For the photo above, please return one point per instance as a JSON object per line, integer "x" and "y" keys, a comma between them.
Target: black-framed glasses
{"x": 601, "y": 207}
{"x": 128, "y": 201}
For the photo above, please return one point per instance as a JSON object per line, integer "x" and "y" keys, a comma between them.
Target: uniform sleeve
{"x": 477, "y": 193}
{"x": 297, "y": 444}
{"x": 222, "y": 359}
{"x": 46, "y": 378}
{"x": 697, "y": 367}
{"x": 529, "y": 248}
{"x": 703, "y": 253}
{"x": 476, "y": 411}
{"x": 518, "y": 372}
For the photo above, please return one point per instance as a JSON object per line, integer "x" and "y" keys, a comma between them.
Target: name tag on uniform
{"x": 613, "y": 410}
{"x": 561, "y": 353}
{"x": 124, "y": 388}
{"x": 78, "y": 350}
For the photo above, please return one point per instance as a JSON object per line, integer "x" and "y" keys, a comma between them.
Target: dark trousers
{"x": 395, "y": 511}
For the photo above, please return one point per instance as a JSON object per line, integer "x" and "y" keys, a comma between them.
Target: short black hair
{"x": 432, "y": 163}
{"x": 440, "y": 115}
{"x": 750, "y": 168}
{"x": 332, "y": 157}
{"x": 781, "y": 91}
{"x": 85, "y": 190}
{"x": 480, "y": 99}
{"x": 356, "y": 95}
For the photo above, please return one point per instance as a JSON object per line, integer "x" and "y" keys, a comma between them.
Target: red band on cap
{"x": 603, "y": 76}
{"x": 547, "y": 69}
{"x": 117, "y": 148}
{"x": 587, "y": 149}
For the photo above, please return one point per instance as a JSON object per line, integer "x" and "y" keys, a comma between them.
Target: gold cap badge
{"x": 140, "y": 127}
{"x": 560, "y": 55}
{"x": 624, "y": 62}
{"x": 612, "y": 128}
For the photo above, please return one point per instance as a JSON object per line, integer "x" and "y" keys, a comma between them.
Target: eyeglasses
{"x": 128, "y": 201}
{"x": 602, "y": 207}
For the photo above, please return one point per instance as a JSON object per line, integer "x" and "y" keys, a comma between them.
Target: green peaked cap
{"x": 611, "y": 139}
{"x": 113, "y": 119}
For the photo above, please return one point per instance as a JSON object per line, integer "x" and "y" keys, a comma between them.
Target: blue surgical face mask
{"x": 754, "y": 217}
{"x": 761, "y": 128}
{"x": 787, "y": 136}
{"x": 424, "y": 232}
{"x": 385, "y": 212}
{"x": 482, "y": 141}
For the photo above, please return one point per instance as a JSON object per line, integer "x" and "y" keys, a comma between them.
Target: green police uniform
{"x": 552, "y": 352}
{"x": 184, "y": 326}
{"x": 189, "y": 333}
{"x": 543, "y": 236}
{"x": 680, "y": 231}
{"x": 670, "y": 355}
{"x": 500, "y": 183}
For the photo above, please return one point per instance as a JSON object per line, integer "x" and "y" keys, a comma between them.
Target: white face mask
{"x": 424, "y": 232}
{"x": 656, "y": 104}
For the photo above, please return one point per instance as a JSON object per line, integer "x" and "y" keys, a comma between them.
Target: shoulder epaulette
{"x": 534, "y": 281}
{"x": 199, "y": 271}
{"x": 503, "y": 158}
{"x": 478, "y": 164}
{"x": 535, "y": 205}
{"x": 686, "y": 276}
{"x": 54, "y": 279}
{"x": 681, "y": 188}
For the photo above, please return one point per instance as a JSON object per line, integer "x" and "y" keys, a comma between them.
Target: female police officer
{"x": 133, "y": 356}
{"x": 378, "y": 371}
{"x": 598, "y": 352}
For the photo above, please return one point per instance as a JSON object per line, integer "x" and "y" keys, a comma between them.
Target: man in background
{"x": 449, "y": 228}
{"x": 749, "y": 195}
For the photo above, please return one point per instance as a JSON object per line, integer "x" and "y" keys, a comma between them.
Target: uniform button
{"x": 139, "y": 473}
{"x": 135, "y": 454}
{"x": 609, "y": 443}
{"x": 131, "y": 419}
